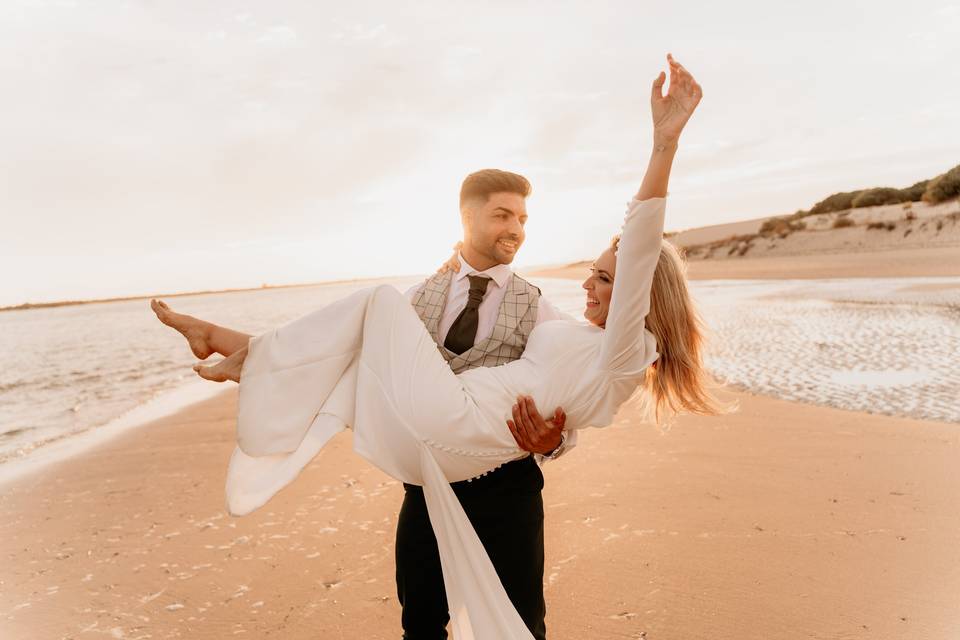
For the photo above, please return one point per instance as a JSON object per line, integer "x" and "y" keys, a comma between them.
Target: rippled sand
{"x": 881, "y": 345}
{"x": 878, "y": 345}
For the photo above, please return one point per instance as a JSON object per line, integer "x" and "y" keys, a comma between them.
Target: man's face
{"x": 494, "y": 230}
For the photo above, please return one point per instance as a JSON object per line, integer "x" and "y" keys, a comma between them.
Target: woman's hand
{"x": 671, "y": 111}
{"x": 453, "y": 262}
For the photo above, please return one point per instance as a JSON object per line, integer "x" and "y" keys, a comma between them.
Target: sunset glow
{"x": 182, "y": 146}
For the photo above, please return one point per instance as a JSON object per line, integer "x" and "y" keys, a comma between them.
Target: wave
{"x": 15, "y": 431}
{"x": 10, "y": 386}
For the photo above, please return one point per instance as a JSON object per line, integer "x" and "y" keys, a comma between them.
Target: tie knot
{"x": 478, "y": 287}
{"x": 479, "y": 283}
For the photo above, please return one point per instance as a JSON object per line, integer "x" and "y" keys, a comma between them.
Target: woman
{"x": 367, "y": 363}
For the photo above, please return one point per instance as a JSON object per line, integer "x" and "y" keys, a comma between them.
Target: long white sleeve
{"x": 627, "y": 347}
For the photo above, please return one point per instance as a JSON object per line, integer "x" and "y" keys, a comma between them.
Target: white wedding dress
{"x": 367, "y": 363}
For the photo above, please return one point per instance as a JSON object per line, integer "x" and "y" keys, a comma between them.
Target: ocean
{"x": 75, "y": 375}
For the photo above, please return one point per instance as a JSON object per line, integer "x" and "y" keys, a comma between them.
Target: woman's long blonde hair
{"x": 677, "y": 382}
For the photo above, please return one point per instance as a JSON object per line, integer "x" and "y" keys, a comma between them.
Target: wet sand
{"x": 783, "y": 520}
{"x": 881, "y": 345}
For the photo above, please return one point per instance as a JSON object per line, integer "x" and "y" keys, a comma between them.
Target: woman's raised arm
{"x": 627, "y": 347}
{"x": 670, "y": 114}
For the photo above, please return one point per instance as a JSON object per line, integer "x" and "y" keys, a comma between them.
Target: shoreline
{"x": 828, "y": 522}
{"x": 194, "y": 391}
{"x": 67, "y": 446}
{"x": 928, "y": 261}
{"x": 70, "y": 303}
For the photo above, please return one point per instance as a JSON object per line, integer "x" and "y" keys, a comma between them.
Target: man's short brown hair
{"x": 480, "y": 184}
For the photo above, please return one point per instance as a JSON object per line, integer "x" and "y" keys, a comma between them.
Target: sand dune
{"x": 926, "y": 245}
{"x": 919, "y": 211}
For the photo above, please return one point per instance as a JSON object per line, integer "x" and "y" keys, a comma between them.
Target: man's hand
{"x": 531, "y": 431}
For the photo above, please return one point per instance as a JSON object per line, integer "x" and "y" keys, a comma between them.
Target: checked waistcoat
{"x": 515, "y": 320}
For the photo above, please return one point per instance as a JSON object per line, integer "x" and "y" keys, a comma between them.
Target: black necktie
{"x": 463, "y": 331}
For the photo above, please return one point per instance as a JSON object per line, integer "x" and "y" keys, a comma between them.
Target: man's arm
{"x": 545, "y": 439}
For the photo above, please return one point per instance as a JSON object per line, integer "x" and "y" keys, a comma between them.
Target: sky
{"x": 150, "y": 147}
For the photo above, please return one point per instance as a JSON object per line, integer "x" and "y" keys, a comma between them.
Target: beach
{"x": 781, "y": 520}
{"x": 184, "y": 182}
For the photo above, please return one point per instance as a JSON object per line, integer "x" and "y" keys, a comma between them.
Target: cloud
{"x": 205, "y": 125}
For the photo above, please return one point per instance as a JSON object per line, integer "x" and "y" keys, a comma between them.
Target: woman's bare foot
{"x": 194, "y": 330}
{"x": 227, "y": 369}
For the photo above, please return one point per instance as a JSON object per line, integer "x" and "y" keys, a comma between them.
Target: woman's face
{"x": 599, "y": 287}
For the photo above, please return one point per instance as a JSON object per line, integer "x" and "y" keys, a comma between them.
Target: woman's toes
{"x": 208, "y": 373}
{"x": 162, "y": 311}
{"x": 188, "y": 326}
{"x": 220, "y": 372}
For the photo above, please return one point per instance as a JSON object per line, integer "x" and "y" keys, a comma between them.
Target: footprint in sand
{"x": 626, "y": 615}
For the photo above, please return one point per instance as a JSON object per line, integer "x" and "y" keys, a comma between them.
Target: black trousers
{"x": 505, "y": 508}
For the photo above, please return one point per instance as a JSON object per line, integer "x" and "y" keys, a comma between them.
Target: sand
{"x": 783, "y": 520}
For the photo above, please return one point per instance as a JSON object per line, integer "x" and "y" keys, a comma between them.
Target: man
{"x": 481, "y": 315}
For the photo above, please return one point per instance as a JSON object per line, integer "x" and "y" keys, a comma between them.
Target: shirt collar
{"x": 500, "y": 273}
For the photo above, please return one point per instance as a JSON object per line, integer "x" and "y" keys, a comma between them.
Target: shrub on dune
{"x": 879, "y": 196}
{"x": 836, "y": 202}
{"x": 943, "y": 187}
{"x": 914, "y": 192}
{"x": 842, "y": 222}
{"x": 782, "y": 227}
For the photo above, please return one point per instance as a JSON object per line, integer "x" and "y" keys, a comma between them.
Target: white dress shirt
{"x": 489, "y": 309}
